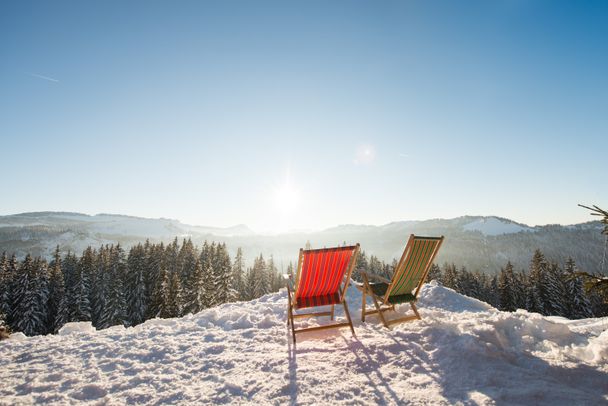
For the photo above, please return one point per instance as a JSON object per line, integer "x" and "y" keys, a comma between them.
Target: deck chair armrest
{"x": 376, "y": 277}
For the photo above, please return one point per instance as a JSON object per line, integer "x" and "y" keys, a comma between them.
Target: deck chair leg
{"x": 290, "y": 316}
{"x": 379, "y": 311}
{"x": 332, "y": 312}
{"x": 363, "y": 305}
{"x": 415, "y": 310}
{"x": 350, "y": 322}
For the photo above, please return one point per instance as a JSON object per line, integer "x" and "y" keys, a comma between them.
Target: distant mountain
{"x": 479, "y": 243}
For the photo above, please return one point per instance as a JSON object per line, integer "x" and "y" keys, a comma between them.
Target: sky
{"x": 305, "y": 115}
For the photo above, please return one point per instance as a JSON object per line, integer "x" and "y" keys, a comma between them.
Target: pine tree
{"x": 361, "y": 266}
{"x": 197, "y": 301}
{"x": 506, "y": 284}
{"x": 250, "y": 282}
{"x": 6, "y": 281}
{"x": 136, "y": 286}
{"x": 579, "y": 305}
{"x": 450, "y": 277}
{"x": 57, "y": 305}
{"x": 434, "y": 273}
{"x": 208, "y": 272}
{"x": 187, "y": 258}
{"x": 11, "y": 281}
{"x": 116, "y": 307}
{"x": 222, "y": 275}
{"x": 536, "y": 288}
{"x": 238, "y": 268}
{"x": 154, "y": 280}
{"x": 80, "y": 306}
{"x": 261, "y": 280}
{"x": 99, "y": 287}
{"x": 30, "y": 313}
{"x": 174, "y": 299}
{"x": 555, "y": 290}
{"x": 273, "y": 275}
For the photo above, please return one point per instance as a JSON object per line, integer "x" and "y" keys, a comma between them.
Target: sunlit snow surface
{"x": 461, "y": 351}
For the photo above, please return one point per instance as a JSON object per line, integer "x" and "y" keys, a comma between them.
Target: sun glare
{"x": 286, "y": 198}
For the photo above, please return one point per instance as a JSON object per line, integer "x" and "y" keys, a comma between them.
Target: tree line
{"x": 109, "y": 286}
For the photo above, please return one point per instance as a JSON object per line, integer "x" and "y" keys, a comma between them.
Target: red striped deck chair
{"x": 322, "y": 278}
{"x": 408, "y": 277}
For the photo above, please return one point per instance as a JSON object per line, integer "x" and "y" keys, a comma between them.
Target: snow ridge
{"x": 492, "y": 226}
{"x": 463, "y": 350}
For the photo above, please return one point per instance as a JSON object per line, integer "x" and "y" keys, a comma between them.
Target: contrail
{"x": 44, "y": 77}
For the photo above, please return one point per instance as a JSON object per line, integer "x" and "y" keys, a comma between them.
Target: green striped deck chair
{"x": 408, "y": 277}
{"x": 322, "y": 278}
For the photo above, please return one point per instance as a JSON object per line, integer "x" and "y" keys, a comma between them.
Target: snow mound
{"x": 492, "y": 226}
{"x": 462, "y": 352}
{"x": 77, "y": 327}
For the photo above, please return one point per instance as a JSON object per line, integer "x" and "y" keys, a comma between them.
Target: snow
{"x": 462, "y": 351}
{"x": 492, "y": 226}
{"x": 77, "y": 327}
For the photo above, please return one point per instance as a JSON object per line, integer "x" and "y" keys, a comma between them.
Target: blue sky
{"x": 307, "y": 114}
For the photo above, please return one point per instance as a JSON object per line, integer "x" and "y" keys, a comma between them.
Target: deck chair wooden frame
{"x": 294, "y": 287}
{"x": 415, "y": 263}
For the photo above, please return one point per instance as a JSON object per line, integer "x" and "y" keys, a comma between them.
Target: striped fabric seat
{"x": 408, "y": 277}
{"x": 322, "y": 272}
{"x": 322, "y": 300}
{"x": 417, "y": 261}
{"x": 322, "y": 278}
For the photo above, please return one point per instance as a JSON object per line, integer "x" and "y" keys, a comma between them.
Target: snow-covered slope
{"x": 495, "y": 226}
{"x": 461, "y": 351}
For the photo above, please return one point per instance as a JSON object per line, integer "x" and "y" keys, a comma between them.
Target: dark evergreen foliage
{"x": 109, "y": 287}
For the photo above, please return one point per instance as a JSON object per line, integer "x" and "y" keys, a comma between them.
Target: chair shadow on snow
{"x": 522, "y": 379}
{"x": 471, "y": 376}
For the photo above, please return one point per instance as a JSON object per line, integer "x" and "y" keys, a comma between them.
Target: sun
{"x": 286, "y": 197}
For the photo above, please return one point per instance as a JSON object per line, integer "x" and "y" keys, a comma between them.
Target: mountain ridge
{"x": 483, "y": 243}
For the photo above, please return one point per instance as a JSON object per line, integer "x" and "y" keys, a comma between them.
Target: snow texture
{"x": 462, "y": 352}
{"x": 492, "y": 226}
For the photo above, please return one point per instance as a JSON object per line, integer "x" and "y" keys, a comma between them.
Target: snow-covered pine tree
{"x": 208, "y": 281}
{"x": 136, "y": 294}
{"x": 6, "y": 281}
{"x": 520, "y": 289}
{"x": 80, "y": 309}
{"x": 434, "y": 273}
{"x": 99, "y": 286}
{"x": 361, "y": 266}
{"x": 579, "y": 305}
{"x": 115, "y": 310}
{"x": 12, "y": 275}
{"x": 159, "y": 297}
{"x": 197, "y": 278}
{"x": 154, "y": 264}
{"x": 57, "y": 305}
{"x": 506, "y": 285}
{"x": 262, "y": 281}
{"x": 250, "y": 280}
{"x": 187, "y": 258}
{"x": 275, "y": 281}
{"x": 174, "y": 299}
{"x": 238, "y": 268}
{"x": 222, "y": 275}
{"x": 536, "y": 288}
{"x": 450, "y": 277}
{"x": 30, "y": 313}
{"x": 68, "y": 268}
{"x": 555, "y": 291}
{"x": 290, "y": 271}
